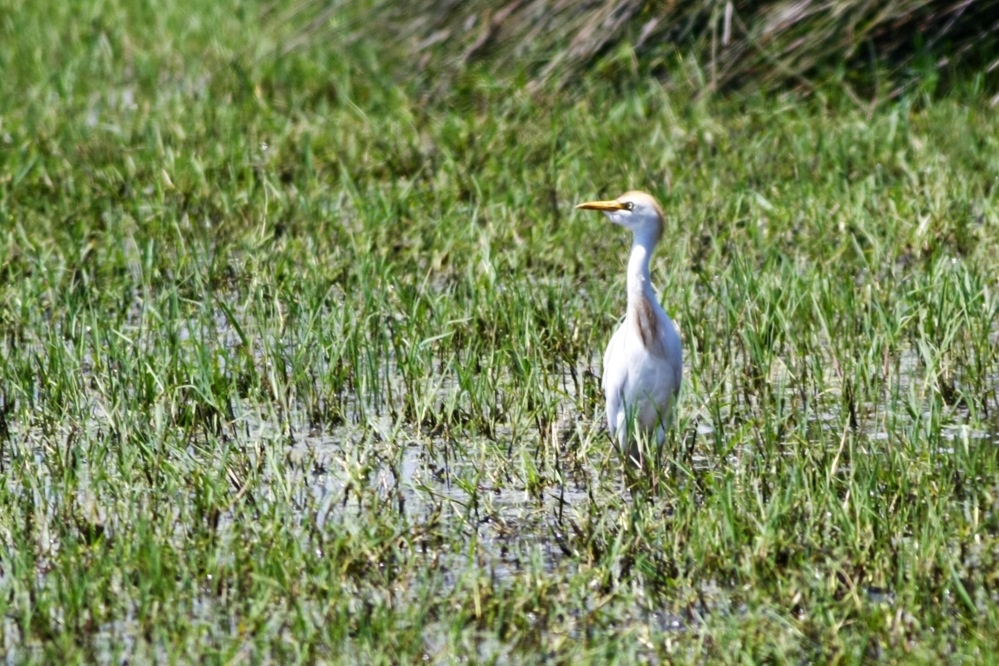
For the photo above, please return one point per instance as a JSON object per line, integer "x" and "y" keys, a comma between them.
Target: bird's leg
{"x": 660, "y": 441}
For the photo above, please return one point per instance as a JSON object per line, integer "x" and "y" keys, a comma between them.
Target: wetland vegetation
{"x": 300, "y": 355}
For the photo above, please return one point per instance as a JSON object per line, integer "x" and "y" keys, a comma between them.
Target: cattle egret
{"x": 643, "y": 364}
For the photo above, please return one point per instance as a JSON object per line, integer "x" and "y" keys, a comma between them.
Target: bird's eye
{"x": 629, "y": 206}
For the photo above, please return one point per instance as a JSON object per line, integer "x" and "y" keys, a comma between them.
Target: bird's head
{"x": 636, "y": 211}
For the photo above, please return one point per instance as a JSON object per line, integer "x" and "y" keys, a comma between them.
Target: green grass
{"x": 298, "y": 365}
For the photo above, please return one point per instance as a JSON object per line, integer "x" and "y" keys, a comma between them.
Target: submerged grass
{"x": 299, "y": 367}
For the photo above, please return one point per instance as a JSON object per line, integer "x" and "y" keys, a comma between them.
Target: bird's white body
{"x": 641, "y": 384}
{"x": 643, "y": 364}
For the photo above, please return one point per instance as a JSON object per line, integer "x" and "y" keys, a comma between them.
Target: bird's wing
{"x": 615, "y": 378}
{"x": 669, "y": 336}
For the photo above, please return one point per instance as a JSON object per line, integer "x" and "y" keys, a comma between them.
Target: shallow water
{"x": 486, "y": 518}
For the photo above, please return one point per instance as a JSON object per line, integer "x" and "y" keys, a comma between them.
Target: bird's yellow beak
{"x": 601, "y": 205}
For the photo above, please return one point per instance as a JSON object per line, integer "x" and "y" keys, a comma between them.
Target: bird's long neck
{"x": 642, "y": 310}
{"x": 639, "y": 280}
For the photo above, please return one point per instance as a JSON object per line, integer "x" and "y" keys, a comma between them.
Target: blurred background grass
{"x": 874, "y": 51}
{"x": 870, "y": 50}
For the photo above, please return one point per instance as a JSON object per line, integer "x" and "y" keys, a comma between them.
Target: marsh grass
{"x": 297, "y": 366}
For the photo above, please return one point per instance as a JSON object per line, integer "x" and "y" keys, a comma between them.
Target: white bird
{"x": 643, "y": 364}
